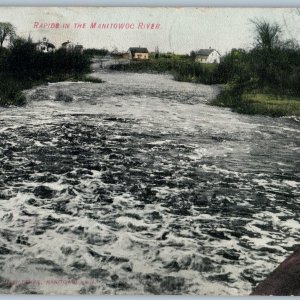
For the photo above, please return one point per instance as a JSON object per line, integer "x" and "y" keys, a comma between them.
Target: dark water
{"x": 138, "y": 186}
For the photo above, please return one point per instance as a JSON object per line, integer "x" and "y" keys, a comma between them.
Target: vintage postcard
{"x": 149, "y": 151}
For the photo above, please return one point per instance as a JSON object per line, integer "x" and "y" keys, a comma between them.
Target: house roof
{"x": 66, "y": 43}
{"x": 138, "y": 50}
{"x": 49, "y": 45}
{"x": 204, "y": 52}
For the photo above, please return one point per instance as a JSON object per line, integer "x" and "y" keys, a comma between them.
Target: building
{"x": 207, "y": 56}
{"x": 116, "y": 54}
{"x": 78, "y": 48}
{"x": 69, "y": 46}
{"x": 44, "y": 46}
{"x": 138, "y": 53}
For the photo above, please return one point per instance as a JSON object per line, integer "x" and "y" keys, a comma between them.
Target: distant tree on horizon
{"x": 193, "y": 55}
{"x": 267, "y": 35}
{"x": 7, "y": 31}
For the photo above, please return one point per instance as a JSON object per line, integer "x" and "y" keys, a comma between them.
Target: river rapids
{"x": 138, "y": 186}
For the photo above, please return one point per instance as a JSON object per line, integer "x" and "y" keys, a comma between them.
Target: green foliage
{"x": 193, "y": 55}
{"x": 24, "y": 60}
{"x": 259, "y": 103}
{"x": 267, "y": 35}
{"x": 234, "y": 67}
{"x": 273, "y": 64}
{"x": 94, "y": 51}
{"x": 7, "y": 31}
{"x": 180, "y": 66}
{"x": 22, "y": 66}
{"x": 257, "y": 79}
{"x": 10, "y": 92}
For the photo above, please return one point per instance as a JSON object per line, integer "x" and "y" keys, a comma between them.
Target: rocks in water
{"x": 99, "y": 273}
{"x": 218, "y": 234}
{"x": 231, "y": 254}
{"x": 43, "y": 192}
{"x": 114, "y": 277}
{"x": 80, "y": 265}
{"x": 22, "y": 240}
{"x": 4, "y": 250}
{"x": 204, "y": 264}
{"x": 66, "y": 250}
{"x": 62, "y": 96}
{"x": 127, "y": 267}
{"x": 155, "y": 215}
{"x": 200, "y": 199}
{"x": 172, "y": 285}
{"x": 173, "y": 266}
{"x": 225, "y": 277}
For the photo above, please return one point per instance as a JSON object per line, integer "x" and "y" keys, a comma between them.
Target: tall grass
{"x": 256, "y": 102}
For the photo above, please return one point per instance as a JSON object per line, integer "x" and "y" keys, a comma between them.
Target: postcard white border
{"x": 141, "y": 3}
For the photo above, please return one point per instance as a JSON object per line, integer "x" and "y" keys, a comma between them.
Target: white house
{"x": 208, "y": 56}
{"x": 138, "y": 53}
{"x": 45, "y": 46}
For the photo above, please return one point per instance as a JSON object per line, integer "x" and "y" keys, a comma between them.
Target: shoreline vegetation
{"x": 263, "y": 80}
{"x": 23, "y": 67}
{"x": 246, "y": 100}
{"x": 180, "y": 66}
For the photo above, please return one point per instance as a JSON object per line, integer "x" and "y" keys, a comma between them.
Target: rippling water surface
{"x": 138, "y": 186}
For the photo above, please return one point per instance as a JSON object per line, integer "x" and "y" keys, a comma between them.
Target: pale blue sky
{"x": 181, "y": 29}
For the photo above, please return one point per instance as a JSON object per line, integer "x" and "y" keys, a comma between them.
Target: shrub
{"x": 62, "y": 96}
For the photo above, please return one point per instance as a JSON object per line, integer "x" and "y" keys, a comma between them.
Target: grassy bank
{"x": 257, "y": 102}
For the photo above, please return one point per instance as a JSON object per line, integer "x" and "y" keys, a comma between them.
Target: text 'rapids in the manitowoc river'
{"x": 96, "y": 25}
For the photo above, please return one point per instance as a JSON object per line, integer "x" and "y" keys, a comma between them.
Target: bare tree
{"x": 7, "y": 31}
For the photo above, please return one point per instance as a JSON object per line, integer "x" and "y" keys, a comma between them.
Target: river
{"x": 138, "y": 186}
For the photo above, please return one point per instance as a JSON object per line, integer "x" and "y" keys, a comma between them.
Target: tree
{"x": 267, "y": 35}
{"x": 156, "y": 52}
{"x": 7, "y": 31}
{"x": 193, "y": 55}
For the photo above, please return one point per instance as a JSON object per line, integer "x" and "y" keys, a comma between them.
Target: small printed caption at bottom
{"x": 48, "y": 282}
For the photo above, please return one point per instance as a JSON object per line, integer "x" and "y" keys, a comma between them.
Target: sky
{"x": 178, "y": 30}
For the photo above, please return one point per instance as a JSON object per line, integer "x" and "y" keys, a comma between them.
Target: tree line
{"x": 22, "y": 65}
{"x": 272, "y": 65}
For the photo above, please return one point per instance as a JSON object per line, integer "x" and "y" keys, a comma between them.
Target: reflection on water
{"x": 139, "y": 186}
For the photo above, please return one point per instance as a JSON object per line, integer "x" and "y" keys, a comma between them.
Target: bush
{"x": 10, "y": 92}
{"x": 24, "y": 61}
{"x": 93, "y": 51}
{"x": 22, "y": 66}
{"x": 62, "y": 96}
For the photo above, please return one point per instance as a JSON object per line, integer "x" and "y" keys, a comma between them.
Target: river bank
{"x": 22, "y": 67}
{"x": 248, "y": 101}
{"x": 11, "y": 89}
{"x": 259, "y": 103}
